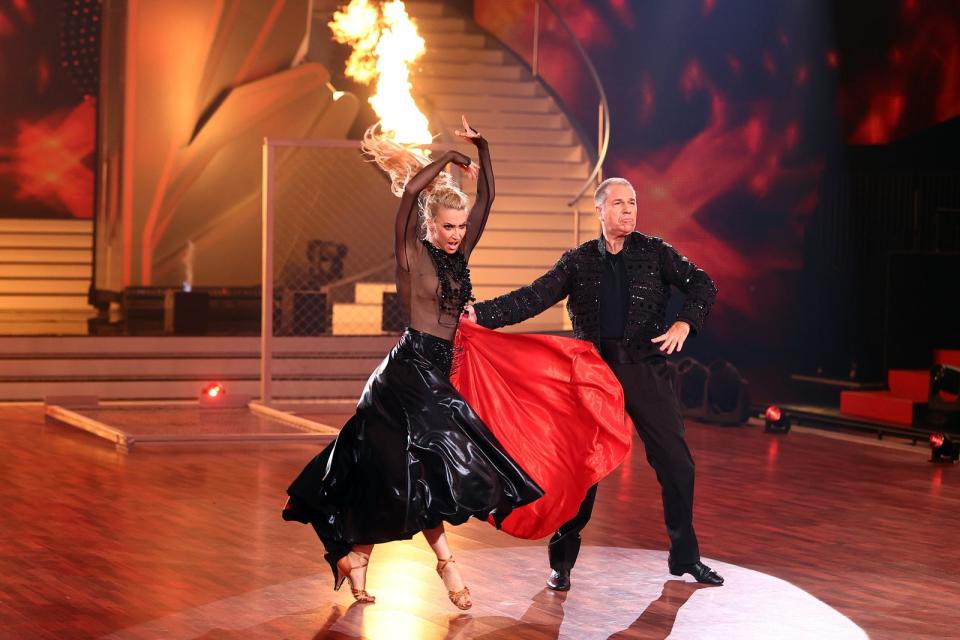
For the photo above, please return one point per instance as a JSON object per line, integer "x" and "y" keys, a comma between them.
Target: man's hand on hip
{"x": 674, "y": 338}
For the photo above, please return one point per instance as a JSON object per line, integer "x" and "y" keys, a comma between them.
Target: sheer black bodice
{"x": 432, "y": 306}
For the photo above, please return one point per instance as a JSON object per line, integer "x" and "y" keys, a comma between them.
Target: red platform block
{"x": 912, "y": 385}
{"x": 947, "y": 356}
{"x": 877, "y": 405}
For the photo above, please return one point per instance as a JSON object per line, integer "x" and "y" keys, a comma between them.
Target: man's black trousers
{"x": 655, "y": 411}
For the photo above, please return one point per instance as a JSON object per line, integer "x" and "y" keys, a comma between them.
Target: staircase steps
{"x": 45, "y": 266}
{"x": 174, "y": 368}
{"x": 901, "y": 403}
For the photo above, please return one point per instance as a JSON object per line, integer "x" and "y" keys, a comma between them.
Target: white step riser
{"x": 43, "y": 241}
{"x": 528, "y": 153}
{"x": 523, "y": 239}
{"x": 464, "y": 103}
{"x": 357, "y": 319}
{"x": 538, "y": 137}
{"x": 436, "y": 53}
{"x": 575, "y": 170}
{"x": 492, "y": 119}
{"x": 507, "y": 276}
{"x": 372, "y": 293}
{"x": 170, "y": 346}
{"x": 416, "y": 9}
{"x": 428, "y": 26}
{"x": 465, "y": 41}
{"x": 44, "y": 329}
{"x": 534, "y": 258}
{"x": 469, "y": 70}
{"x": 32, "y": 303}
{"x": 564, "y": 187}
{"x": 46, "y": 256}
{"x": 45, "y": 271}
{"x": 476, "y": 87}
{"x": 538, "y": 222}
{"x": 178, "y": 390}
{"x": 202, "y": 369}
{"x": 539, "y": 204}
{"x": 28, "y": 287}
{"x": 26, "y": 225}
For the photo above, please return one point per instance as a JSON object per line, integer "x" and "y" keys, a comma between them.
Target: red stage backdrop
{"x": 49, "y": 64}
{"x": 724, "y": 113}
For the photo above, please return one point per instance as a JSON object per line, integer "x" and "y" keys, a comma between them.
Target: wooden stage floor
{"x": 818, "y": 537}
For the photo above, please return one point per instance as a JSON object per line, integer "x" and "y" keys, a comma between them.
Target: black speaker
{"x": 943, "y": 401}
{"x": 691, "y": 387}
{"x": 311, "y": 315}
{"x": 728, "y": 397}
{"x": 191, "y": 313}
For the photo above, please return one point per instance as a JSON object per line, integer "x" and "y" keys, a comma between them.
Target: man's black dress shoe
{"x": 559, "y": 580}
{"x": 699, "y": 571}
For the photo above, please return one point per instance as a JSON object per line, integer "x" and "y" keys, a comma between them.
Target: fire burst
{"x": 385, "y": 43}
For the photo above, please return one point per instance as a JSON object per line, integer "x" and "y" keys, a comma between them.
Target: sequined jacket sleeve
{"x": 696, "y": 285}
{"x": 526, "y": 302}
{"x": 481, "y": 206}
{"x": 408, "y": 215}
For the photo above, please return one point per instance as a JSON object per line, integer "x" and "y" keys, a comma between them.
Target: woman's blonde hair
{"x": 402, "y": 162}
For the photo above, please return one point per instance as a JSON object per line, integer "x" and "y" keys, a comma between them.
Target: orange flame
{"x": 385, "y": 43}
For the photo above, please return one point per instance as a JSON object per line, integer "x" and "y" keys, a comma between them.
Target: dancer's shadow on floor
{"x": 657, "y": 620}
{"x": 349, "y": 618}
{"x": 542, "y": 619}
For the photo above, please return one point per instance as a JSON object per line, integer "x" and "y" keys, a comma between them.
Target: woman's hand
{"x": 468, "y": 132}
{"x": 469, "y": 314}
{"x": 463, "y": 161}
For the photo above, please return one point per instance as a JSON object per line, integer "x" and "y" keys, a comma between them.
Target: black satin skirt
{"x": 412, "y": 456}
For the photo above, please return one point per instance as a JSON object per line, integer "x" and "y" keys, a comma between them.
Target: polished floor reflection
{"x": 818, "y": 537}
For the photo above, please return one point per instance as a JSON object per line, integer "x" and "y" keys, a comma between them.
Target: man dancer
{"x": 619, "y": 286}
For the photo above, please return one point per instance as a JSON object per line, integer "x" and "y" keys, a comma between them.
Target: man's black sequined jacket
{"x": 652, "y": 267}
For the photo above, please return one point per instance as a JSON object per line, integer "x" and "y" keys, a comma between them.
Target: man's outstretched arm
{"x": 528, "y": 301}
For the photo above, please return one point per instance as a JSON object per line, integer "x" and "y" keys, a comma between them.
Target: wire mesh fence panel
{"x": 327, "y": 259}
{"x": 333, "y": 266}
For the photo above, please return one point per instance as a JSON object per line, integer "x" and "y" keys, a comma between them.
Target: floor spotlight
{"x": 214, "y": 390}
{"x": 774, "y": 421}
{"x": 943, "y": 448}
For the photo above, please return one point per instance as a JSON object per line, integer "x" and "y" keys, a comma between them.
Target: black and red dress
{"x": 416, "y": 453}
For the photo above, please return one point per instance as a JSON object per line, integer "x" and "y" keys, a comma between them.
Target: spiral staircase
{"x": 540, "y": 161}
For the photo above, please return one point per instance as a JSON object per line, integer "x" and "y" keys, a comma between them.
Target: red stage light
{"x": 214, "y": 390}
{"x": 773, "y": 413}
{"x": 936, "y": 440}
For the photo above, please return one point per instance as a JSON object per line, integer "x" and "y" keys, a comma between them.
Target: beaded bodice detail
{"x": 454, "y": 290}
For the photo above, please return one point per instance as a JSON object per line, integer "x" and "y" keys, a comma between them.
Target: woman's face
{"x": 447, "y": 229}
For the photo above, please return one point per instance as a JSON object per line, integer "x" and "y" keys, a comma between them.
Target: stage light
{"x": 774, "y": 421}
{"x": 214, "y": 390}
{"x": 943, "y": 449}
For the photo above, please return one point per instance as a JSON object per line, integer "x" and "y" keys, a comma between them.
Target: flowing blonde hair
{"x": 402, "y": 162}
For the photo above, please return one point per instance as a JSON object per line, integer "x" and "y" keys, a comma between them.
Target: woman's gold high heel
{"x": 460, "y": 599}
{"x": 344, "y": 569}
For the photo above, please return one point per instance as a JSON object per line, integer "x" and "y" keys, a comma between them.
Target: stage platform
{"x": 818, "y": 536}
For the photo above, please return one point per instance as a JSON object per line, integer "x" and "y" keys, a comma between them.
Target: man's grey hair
{"x": 600, "y": 195}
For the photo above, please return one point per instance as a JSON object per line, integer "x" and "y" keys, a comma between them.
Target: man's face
{"x": 618, "y": 214}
